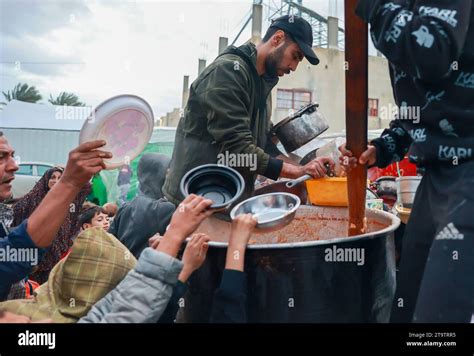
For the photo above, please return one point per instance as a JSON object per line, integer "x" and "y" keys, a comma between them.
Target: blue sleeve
{"x": 169, "y": 315}
{"x": 229, "y": 305}
{"x": 18, "y": 255}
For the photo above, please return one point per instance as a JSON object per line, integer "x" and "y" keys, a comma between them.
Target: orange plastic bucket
{"x": 328, "y": 191}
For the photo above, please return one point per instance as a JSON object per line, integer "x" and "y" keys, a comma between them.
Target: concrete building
{"x": 171, "y": 119}
{"x": 323, "y": 84}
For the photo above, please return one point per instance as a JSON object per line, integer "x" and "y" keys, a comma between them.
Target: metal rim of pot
{"x": 408, "y": 178}
{"x": 395, "y": 223}
{"x": 219, "y": 169}
{"x": 278, "y": 186}
{"x": 295, "y": 115}
{"x": 385, "y": 179}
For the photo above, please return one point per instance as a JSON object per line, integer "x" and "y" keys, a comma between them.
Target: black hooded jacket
{"x": 430, "y": 47}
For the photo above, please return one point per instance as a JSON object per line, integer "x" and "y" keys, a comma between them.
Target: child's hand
{"x": 194, "y": 255}
{"x": 189, "y": 215}
{"x": 242, "y": 228}
{"x": 154, "y": 241}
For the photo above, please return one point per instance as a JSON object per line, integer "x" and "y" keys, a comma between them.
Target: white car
{"x": 27, "y": 176}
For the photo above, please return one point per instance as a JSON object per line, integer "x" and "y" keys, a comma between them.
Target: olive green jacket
{"x": 224, "y": 113}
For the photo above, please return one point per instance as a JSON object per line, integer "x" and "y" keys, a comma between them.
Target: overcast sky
{"x": 100, "y": 48}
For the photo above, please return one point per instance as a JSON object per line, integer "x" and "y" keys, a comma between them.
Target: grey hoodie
{"x": 142, "y": 296}
{"x": 151, "y": 174}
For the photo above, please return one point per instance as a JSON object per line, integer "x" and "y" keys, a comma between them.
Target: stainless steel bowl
{"x": 272, "y": 211}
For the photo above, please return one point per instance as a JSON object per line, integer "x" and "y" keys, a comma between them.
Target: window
{"x": 301, "y": 98}
{"x": 25, "y": 170}
{"x": 374, "y": 107}
{"x": 284, "y": 99}
{"x": 42, "y": 169}
{"x": 292, "y": 99}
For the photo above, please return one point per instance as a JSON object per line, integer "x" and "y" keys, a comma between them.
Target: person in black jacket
{"x": 229, "y": 305}
{"x": 430, "y": 47}
{"x": 149, "y": 212}
{"x": 123, "y": 182}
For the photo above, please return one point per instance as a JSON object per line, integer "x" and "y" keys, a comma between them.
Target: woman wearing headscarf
{"x": 24, "y": 207}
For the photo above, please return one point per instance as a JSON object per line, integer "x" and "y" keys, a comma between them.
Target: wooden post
{"x": 356, "y": 47}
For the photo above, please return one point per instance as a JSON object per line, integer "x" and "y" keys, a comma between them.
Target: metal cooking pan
{"x": 301, "y": 127}
{"x": 298, "y": 190}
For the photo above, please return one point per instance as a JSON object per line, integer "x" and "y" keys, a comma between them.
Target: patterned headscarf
{"x": 6, "y": 215}
{"x": 25, "y": 206}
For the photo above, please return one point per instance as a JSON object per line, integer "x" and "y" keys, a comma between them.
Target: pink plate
{"x": 125, "y": 122}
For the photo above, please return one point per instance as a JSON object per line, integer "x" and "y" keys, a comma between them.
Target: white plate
{"x": 125, "y": 122}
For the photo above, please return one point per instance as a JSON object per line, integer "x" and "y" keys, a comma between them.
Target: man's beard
{"x": 273, "y": 61}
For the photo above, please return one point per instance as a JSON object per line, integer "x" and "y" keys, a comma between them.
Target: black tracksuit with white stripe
{"x": 430, "y": 47}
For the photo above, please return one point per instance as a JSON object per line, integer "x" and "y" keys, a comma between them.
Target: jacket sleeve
{"x": 142, "y": 296}
{"x": 425, "y": 40}
{"x": 114, "y": 227}
{"x": 229, "y": 305}
{"x": 392, "y": 145}
{"x": 13, "y": 271}
{"x": 224, "y": 96}
{"x": 271, "y": 148}
{"x": 24, "y": 206}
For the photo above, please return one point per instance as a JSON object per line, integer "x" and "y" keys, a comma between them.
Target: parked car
{"x": 27, "y": 175}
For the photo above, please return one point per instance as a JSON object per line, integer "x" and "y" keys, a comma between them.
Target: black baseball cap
{"x": 300, "y": 31}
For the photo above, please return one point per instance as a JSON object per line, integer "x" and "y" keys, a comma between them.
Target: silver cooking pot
{"x": 406, "y": 190}
{"x": 292, "y": 264}
{"x": 301, "y": 127}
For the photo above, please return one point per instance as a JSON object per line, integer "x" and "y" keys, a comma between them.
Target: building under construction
{"x": 324, "y": 83}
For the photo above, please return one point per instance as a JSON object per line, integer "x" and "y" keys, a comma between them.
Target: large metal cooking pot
{"x": 301, "y": 127}
{"x": 289, "y": 276}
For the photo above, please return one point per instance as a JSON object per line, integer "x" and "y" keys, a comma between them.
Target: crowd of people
{"x": 92, "y": 269}
{"x": 89, "y": 268}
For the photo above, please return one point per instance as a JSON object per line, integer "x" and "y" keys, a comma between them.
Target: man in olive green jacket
{"x": 228, "y": 110}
